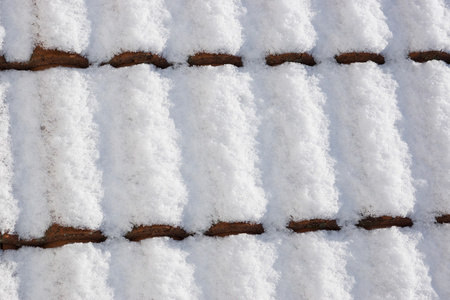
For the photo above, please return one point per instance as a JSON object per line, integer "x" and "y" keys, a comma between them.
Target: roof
{"x": 224, "y": 149}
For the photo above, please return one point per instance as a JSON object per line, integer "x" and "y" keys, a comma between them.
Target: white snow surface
{"x": 179, "y": 28}
{"x": 354, "y": 263}
{"x": 109, "y": 149}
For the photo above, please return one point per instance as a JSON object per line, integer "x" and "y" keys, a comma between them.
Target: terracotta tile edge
{"x": 443, "y": 219}
{"x": 42, "y": 59}
{"x": 425, "y": 56}
{"x": 214, "y": 59}
{"x": 302, "y": 58}
{"x": 313, "y": 225}
{"x": 55, "y": 236}
{"x": 359, "y": 57}
{"x": 150, "y": 231}
{"x": 126, "y": 59}
{"x": 370, "y": 223}
{"x": 233, "y": 228}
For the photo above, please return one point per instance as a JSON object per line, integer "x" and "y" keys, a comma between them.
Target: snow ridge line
{"x": 42, "y": 59}
{"x": 57, "y": 235}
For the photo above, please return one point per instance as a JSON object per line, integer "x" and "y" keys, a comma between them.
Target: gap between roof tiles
{"x": 57, "y": 236}
{"x": 42, "y": 59}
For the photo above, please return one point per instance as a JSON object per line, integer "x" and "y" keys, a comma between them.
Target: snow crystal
{"x": 373, "y": 162}
{"x": 140, "y": 154}
{"x": 216, "y": 115}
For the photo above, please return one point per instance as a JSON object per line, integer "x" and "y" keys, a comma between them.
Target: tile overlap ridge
{"x": 57, "y": 235}
{"x": 42, "y": 59}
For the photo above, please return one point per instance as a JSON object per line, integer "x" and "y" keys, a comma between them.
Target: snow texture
{"x": 214, "y": 111}
{"x": 418, "y": 25}
{"x": 110, "y": 149}
{"x": 373, "y": 162}
{"x": 298, "y": 170}
{"x": 119, "y": 25}
{"x": 62, "y": 25}
{"x": 140, "y": 151}
{"x": 273, "y": 27}
{"x": 204, "y": 26}
{"x": 354, "y": 263}
{"x": 423, "y": 94}
{"x": 17, "y": 17}
{"x": 349, "y": 26}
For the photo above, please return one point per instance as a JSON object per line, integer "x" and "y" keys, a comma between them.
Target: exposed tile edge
{"x": 359, "y": 57}
{"x": 55, "y": 236}
{"x": 126, "y": 59}
{"x": 42, "y": 59}
{"x": 443, "y": 219}
{"x": 313, "y": 225}
{"x": 302, "y": 58}
{"x": 370, "y": 223}
{"x": 212, "y": 59}
{"x": 425, "y": 56}
{"x": 232, "y": 228}
{"x": 149, "y": 231}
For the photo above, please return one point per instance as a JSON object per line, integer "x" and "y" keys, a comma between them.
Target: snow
{"x": 273, "y": 27}
{"x": 381, "y": 264}
{"x": 77, "y": 271}
{"x": 62, "y": 25}
{"x": 141, "y": 154}
{"x": 118, "y": 26}
{"x": 349, "y": 26}
{"x": 387, "y": 264}
{"x": 373, "y": 162}
{"x": 8, "y": 212}
{"x": 423, "y": 94}
{"x": 108, "y": 149}
{"x": 215, "y": 114}
{"x": 418, "y": 25}
{"x": 204, "y": 26}
{"x": 298, "y": 172}
{"x": 17, "y": 17}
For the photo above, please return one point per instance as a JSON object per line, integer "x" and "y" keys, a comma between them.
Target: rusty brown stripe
{"x": 359, "y": 57}
{"x": 429, "y": 55}
{"x": 313, "y": 225}
{"x": 232, "y": 228}
{"x": 133, "y": 58}
{"x": 302, "y": 58}
{"x": 55, "y": 236}
{"x": 144, "y": 232}
{"x": 443, "y": 219}
{"x": 212, "y": 59}
{"x": 42, "y": 59}
{"x": 370, "y": 223}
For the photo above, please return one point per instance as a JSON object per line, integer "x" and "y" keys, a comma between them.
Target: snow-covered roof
{"x": 224, "y": 149}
